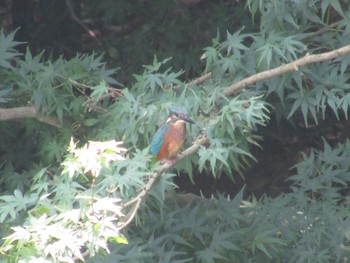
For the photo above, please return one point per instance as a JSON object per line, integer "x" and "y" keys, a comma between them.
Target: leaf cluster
{"x": 67, "y": 213}
{"x": 57, "y": 89}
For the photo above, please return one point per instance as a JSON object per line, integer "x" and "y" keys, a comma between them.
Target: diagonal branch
{"x": 207, "y": 76}
{"x": 136, "y": 201}
{"x": 292, "y": 66}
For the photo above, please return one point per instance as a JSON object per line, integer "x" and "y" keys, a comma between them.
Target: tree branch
{"x": 202, "y": 140}
{"x": 293, "y": 66}
{"x": 27, "y": 112}
{"x": 196, "y": 81}
{"x": 136, "y": 201}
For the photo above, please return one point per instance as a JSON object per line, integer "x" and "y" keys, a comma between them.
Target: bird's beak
{"x": 188, "y": 119}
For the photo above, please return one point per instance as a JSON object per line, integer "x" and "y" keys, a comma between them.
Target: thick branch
{"x": 207, "y": 76}
{"x": 27, "y": 112}
{"x": 293, "y": 66}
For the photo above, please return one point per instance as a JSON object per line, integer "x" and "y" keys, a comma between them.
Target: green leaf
{"x": 7, "y": 49}
{"x": 120, "y": 240}
{"x": 99, "y": 90}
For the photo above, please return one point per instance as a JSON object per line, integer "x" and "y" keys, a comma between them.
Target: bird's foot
{"x": 169, "y": 161}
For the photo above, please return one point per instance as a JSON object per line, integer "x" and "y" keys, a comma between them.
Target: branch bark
{"x": 27, "y": 112}
{"x": 293, "y": 66}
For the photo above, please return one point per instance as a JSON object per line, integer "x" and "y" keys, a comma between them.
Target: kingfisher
{"x": 169, "y": 138}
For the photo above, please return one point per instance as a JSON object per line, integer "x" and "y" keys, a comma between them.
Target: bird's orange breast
{"x": 173, "y": 141}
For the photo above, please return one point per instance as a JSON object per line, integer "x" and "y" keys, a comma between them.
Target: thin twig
{"x": 91, "y": 103}
{"x": 320, "y": 31}
{"x": 75, "y": 17}
{"x": 196, "y": 81}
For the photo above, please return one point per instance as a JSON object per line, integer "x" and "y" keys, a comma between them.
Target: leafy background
{"x": 84, "y": 86}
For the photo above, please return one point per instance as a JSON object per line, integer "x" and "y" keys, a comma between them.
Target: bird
{"x": 169, "y": 138}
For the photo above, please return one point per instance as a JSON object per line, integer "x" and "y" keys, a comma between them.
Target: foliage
{"x": 290, "y": 228}
{"x": 71, "y": 176}
{"x": 65, "y": 216}
{"x": 310, "y": 224}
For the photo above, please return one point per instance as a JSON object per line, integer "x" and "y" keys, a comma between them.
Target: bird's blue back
{"x": 158, "y": 138}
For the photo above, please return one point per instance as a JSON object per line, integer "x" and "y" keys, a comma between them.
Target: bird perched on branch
{"x": 168, "y": 140}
